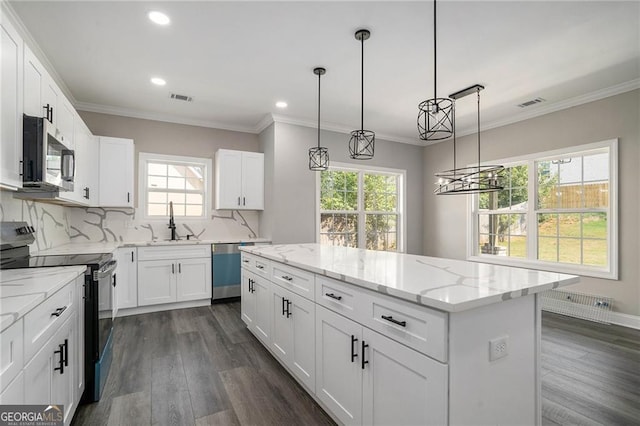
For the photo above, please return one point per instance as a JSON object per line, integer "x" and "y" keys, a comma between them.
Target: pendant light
{"x": 473, "y": 179}
{"x": 362, "y": 142}
{"x": 436, "y": 115}
{"x": 319, "y": 155}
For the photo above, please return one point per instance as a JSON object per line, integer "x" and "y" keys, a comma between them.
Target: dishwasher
{"x": 225, "y": 264}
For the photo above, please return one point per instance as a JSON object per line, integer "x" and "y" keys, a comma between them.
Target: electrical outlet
{"x": 498, "y": 348}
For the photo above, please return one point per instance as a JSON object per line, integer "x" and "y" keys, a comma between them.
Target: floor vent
{"x": 531, "y": 102}
{"x": 578, "y": 305}
{"x": 181, "y": 97}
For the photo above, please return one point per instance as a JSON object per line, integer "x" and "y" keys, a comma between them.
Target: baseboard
{"x": 625, "y": 320}
{"x": 164, "y": 307}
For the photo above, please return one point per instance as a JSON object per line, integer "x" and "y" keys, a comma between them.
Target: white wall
{"x": 445, "y": 230}
{"x": 291, "y": 186}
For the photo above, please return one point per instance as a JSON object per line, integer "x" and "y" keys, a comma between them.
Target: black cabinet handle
{"x": 132, "y": 255}
{"x": 173, "y": 268}
{"x": 49, "y": 115}
{"x": 58, "y": 311}
{"x": 114, "y": 280}
{"x": 364, "y": 346}
{"x": 354, "y": 355}
{"x": 86, "y": 192}
{"x": 60, "y": 366}
{"x": 288, "y": 308}
{"x": 251, "y": 287}
{"x": 395, "y": 321}
{"x": 287, "y": 277}
{"x": 259, "y": 266}
{"x": 283, "y": 299}
{"x": 66, "y": 352}
{"x": 179, "y": 268}
{"x": 245, "y": 260}
{"x": 244, "y": 201}
{"x": 333, "y": 296}
{"x": 238, "y": 200}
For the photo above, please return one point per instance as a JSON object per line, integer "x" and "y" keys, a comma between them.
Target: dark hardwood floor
{"x": 202, "y": 367}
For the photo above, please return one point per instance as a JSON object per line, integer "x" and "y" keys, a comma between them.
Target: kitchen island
{"x": 388, "y": 338}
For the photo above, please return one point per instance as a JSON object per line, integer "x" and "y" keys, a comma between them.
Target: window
{"x": 185, "y": 181}
{"x": 361, "y": 208}
{"x": 557, "y": 212}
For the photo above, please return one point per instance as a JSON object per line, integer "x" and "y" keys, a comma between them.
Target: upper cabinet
{"x": 239, "y": 178}
{"x": 116, "y": 172}
{"x": 10, "y": 105}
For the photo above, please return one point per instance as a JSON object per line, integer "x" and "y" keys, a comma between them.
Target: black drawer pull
{"x": 245, "y": 260}
{"x": 287, "y": 277}
{"x": 333, "y": 296}
{"x": 283, "y": 301}
{"x": 66, "y": 352}
{"x": 395, "y": 321}
{"x": 364, "y": 346}
{"x": 259, "y": 266}
{"x": 288, "y": 308}
{"x": 58, "y": 311}
{"x": 60, "y": 366}
{"x": 354, "y": 355}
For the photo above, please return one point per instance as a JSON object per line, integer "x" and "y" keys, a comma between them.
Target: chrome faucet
{"x": 172, "y": 222}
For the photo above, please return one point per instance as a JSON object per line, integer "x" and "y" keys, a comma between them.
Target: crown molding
{"x": 156, "y": 116}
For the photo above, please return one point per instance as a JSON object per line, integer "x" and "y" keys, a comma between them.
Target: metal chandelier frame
{"x": 362, "y": 142}
{"x": 319, "y": 155}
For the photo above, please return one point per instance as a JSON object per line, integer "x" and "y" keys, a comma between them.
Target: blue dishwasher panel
{"x": 225, "y": 262}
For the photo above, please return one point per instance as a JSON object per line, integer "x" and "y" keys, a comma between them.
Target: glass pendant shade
{"x": 361, "y": 144}
{"x": 318, "y": 158}
{"x": 435, "y": 119}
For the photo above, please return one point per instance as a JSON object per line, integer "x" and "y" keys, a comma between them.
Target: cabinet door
{"x": 34, "y": 81}
{"x": 252, "y": 181}
{"x": 50, "y": 95}
{"x": 401, "y": 386}
{"x": 92, "y": 168}
{"x": 263, "y": 316}
{"x": 11, "y": 63}
{"x": 65, "y": 120}
{"x": 156, "y": 282}
{"x": 38, "y": 374}
{"x": 282, "y": 331}
{"x": 194, "y": 279}
{"x": 63, "y": 383}
{"x": 228, "y": 179}
{"x": 127, "y": 281}
{"x": 303, "y": 355}
{"x": 247, "y": 299}
{"x": 14, "y": 392}
{"x": 116, "y": 172}
{"x": 338, "y": 371}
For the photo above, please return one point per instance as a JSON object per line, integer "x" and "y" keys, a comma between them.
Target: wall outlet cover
{"x": 498, "y": 348}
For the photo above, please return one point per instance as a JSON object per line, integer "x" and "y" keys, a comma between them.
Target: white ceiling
{"x": 236, "y": 59}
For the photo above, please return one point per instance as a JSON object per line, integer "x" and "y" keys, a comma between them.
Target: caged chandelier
{"x": 436, "y": 115}
{"x": 318, "y": 155}
{"x": 362, "y": 142}
{"x": 472, "y": 179}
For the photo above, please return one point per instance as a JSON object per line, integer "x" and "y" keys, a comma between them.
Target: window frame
{"x": 610, "y": 271}
{"x": 361, "y": 170}
{"x": 144, "y": 158}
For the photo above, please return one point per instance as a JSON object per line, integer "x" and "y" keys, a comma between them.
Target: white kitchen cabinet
{"x": 91, "y": 164}
{"x": 168, "y": 274}
{"x": 11, "y": 105}
{"x": 247, "y": 299}
{"x": 66, "y": 119}
{"x": 256, "y": 305}
{"x": 127, "y": 278}
{"x": 293, "y": 333}
{"x": 14, "y": 392}
{"x": 239, "y": 178}
{"x": 116, "y": 183}
{"x": 35, "y": 77}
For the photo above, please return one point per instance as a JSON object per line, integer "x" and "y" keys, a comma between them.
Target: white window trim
{"x": 145, "y": 157}
{"x": 608, "y": 272}
{"x": 402, "y": 199}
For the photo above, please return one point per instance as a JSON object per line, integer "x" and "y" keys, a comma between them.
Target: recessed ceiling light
{"x": 281, "y": 104}
{"x": 158, "y": 81}
{"x": 159, "y": 17}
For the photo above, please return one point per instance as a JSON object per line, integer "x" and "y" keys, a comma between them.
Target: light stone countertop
{"x": 21, "y": 290}
{"x": 446, "y": 284}
{"x": 110, "y": 247}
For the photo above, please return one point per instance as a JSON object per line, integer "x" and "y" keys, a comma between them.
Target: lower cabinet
{"x": 156, "y": 282}
{"x": 127, "y": 278}
{"x": 255, "y": 305}
{"x": 14, "y": 392}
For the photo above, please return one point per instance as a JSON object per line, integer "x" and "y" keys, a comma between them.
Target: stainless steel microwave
{"x": 48, "y": 164}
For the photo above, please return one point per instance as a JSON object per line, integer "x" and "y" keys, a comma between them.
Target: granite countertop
{"x": 445, "y": 284}
{"x": 21, "y": 290}
{"x": 110, "y": 247}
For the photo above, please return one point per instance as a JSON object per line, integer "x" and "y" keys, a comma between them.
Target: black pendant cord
{"x": 454, "y": 145}
{"x": 319, "y": 76}
{"x": 478, "y": 130}
{"x": 362, "y": 83}
{"x": 435, "y": 72}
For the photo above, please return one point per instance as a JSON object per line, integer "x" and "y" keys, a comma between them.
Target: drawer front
{"x": 11, "y": 353}
{"x": 341, "y": 298}
{"x": 174, "y": 252}
{"x": 294, "y": 279}
{"x": 43, "y": 321}
{"x": 420, "y": 328}
{"x": 256, "y": 264}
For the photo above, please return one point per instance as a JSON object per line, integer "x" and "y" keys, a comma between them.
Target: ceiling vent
{"x": 181, "y": 97}
{"x": 531, "y": 102}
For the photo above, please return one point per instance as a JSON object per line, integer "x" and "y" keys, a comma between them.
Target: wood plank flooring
{"x": 201, "y": 366}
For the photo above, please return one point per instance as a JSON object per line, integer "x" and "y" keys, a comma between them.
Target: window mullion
{"x": 362, "y": 239}
{"x": 532, "y": 217}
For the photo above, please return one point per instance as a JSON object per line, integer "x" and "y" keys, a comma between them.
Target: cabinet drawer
{"x": 174, "y": 252}
{"x": 11, "y": 353}
{"x": 294, "y": 279}
{"x": 341, "y": 298}
{"x": 256, "y": 264}
{"x": 43, "y": 321}
{"x": 420, "y": 328}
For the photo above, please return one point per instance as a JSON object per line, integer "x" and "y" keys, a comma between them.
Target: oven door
{"x": 105, "y": 278}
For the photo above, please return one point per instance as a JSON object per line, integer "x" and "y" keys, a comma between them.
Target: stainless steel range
{"x": 99, "y": 281}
